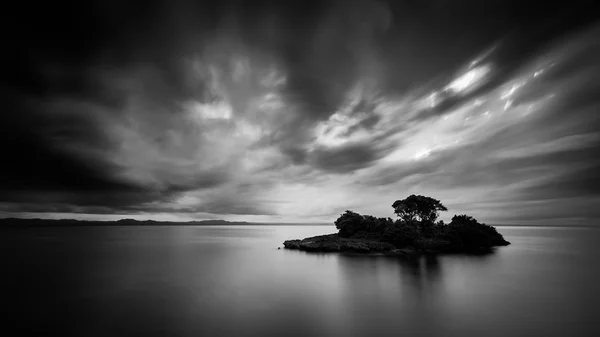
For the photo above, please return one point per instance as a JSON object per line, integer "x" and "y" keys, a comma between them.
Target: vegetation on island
{"x": 416, "y": 229}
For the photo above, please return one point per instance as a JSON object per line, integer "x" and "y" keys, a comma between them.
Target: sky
{"x": 288, "y": 111}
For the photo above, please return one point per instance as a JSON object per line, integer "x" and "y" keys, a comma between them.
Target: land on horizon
{"x": 13, "y": 222}
{"x": 40, "y": 222}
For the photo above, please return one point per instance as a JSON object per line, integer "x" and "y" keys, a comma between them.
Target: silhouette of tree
{"x": 417, "y": 228}
{"x": 418, "y": 207}
{"x": 350, "y": 223}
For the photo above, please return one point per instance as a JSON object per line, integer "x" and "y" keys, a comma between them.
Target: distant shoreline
{"x": 37, "y": 222}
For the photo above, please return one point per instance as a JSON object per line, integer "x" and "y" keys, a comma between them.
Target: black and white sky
{"x": 294, "y": 111}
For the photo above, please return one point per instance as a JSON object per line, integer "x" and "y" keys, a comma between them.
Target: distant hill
{"x": 36, "y": 222}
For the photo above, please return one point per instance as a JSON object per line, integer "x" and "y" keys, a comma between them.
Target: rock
{"x": 292, "y": 244}
{"x": 356, "y": 246}
{"x": 334, "y": 243}
{"x": 433, "y": 245}
{"x": 428, "y": 245}
{"x": 318, "y": 244}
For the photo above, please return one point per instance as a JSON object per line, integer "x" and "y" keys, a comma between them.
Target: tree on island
{"x": 419, "y": 210}
{"x": 366, "y": 233}
{"x": 351, "y": 223}
{"x": 418, "y": 207}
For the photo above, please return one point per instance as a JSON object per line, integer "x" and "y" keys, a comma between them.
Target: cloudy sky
{"x": 287, "y": 111}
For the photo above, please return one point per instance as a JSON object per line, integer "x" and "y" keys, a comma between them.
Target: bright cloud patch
{"x": 297, "y": 113}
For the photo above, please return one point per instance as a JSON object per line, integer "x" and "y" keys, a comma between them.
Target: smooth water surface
{"x": 233, "y": 281}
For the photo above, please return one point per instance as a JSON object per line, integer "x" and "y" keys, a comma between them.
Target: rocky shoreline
{"x": 334, "y": 243}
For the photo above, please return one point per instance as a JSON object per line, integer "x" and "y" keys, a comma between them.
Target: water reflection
{"x": 422, "y": 274}
{"x": 220, "y": 281}
{"x": 416, "y": 275}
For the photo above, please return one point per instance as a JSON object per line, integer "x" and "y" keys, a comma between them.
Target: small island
{"x": 414, "y": 232}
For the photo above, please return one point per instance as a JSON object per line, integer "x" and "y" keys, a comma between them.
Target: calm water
{"x": 232, "y": 281}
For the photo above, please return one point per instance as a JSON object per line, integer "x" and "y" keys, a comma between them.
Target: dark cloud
{"x": 510, "y": 34}
{"x": 233, "y": 206}
{"x": 345, "y": 158}
{"x": 584, "y": 182}
{"x": 207, "y": 106}
{"x": 502, "y": 160}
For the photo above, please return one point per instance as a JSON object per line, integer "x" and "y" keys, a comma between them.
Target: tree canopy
{"x": 418, "y": 207}
{"x": 351, "y": 223}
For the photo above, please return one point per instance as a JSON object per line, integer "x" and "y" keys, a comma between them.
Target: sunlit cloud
{"x": 219, "y": 110}
{"x": 470, "y": 80}
{"x": 287, "y": 118}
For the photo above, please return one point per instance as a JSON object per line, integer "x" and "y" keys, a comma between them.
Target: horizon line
{"x": 217, "y": 222}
